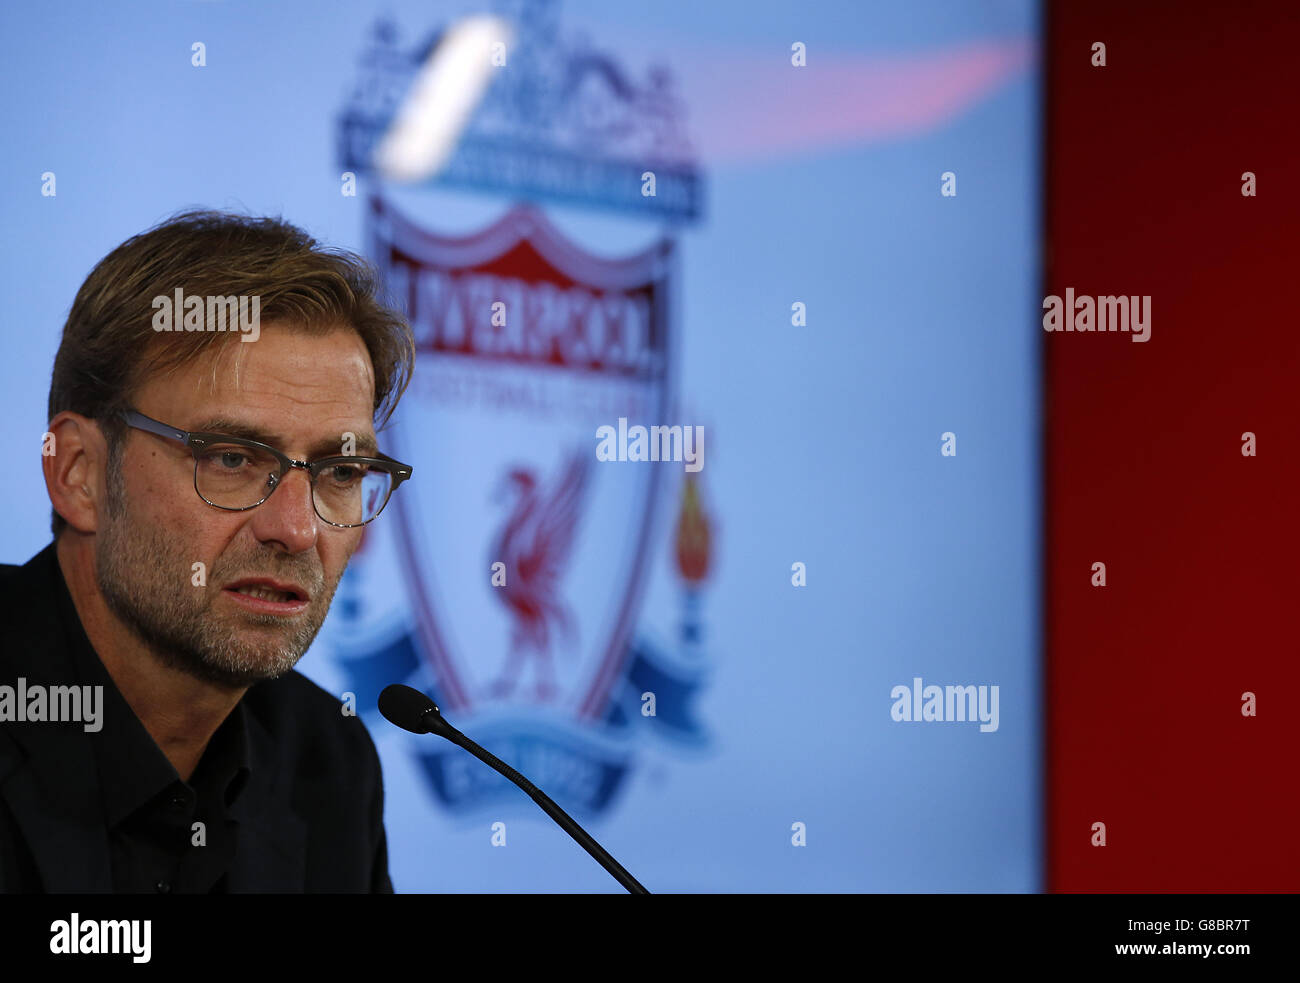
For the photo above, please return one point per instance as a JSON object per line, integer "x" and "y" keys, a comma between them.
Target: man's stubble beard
{"x": 145, "y": 581}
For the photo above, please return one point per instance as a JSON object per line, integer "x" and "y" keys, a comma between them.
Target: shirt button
{"x": 162, "y": 887}
{"x": 178, "y": 801}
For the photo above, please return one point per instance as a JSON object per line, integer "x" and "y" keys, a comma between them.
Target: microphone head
{"x": 407, "y": 708}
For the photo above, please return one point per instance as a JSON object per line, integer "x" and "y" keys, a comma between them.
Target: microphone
{"x": 412, "y": 710}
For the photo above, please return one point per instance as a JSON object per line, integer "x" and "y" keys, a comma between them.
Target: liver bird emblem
{"x": 534, "y": 543}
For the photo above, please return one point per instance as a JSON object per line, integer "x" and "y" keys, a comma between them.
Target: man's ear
{"x": 74, "y": 461}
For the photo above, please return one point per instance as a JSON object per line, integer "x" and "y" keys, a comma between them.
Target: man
{"x": 211, "y": 460}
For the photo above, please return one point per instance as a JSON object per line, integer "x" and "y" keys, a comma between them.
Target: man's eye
{"x": 344, "y": 474}
{"x": 223, "y": 459}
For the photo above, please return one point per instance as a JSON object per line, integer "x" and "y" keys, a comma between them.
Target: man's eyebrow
{"x": 366, "y": 445}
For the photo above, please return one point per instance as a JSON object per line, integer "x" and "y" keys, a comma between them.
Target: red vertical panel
{"x": 1144, "y": 468}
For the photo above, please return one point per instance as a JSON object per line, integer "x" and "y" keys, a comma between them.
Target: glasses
{"x": 237, "y": 474}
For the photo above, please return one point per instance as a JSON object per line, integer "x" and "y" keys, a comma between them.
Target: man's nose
{"x": 288, "y": 517}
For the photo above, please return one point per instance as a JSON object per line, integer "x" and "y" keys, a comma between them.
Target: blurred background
{"x": 817, "y": 228}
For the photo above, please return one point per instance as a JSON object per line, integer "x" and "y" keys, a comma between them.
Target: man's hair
{"x": 110, "y": 347}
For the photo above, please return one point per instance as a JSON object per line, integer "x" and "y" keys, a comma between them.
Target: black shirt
{"x": 287, "y": 796}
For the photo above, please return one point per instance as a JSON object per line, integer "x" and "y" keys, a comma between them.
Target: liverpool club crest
{"x": 523, "y": 557}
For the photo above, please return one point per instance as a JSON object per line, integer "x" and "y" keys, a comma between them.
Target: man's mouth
{"x": 263, "y": 594}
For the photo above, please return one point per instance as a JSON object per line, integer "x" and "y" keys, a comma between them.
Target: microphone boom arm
{"x": 430, "y": 720}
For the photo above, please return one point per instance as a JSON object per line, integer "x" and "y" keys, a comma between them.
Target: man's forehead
{"x": 291, "y": 360}
{"x": 288, "y": 389}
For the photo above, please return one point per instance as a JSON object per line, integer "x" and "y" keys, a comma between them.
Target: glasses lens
{"x": 350, "y": 494}
{"x": 233, "y": 476}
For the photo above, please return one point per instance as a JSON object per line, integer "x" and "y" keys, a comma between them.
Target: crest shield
{"x": 526, "y": 556}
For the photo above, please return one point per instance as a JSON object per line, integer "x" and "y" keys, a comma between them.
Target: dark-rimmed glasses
{"x": 238, "y": 474}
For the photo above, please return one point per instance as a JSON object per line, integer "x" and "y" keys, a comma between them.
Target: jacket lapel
{"x": 50, "y": 785}
{"x": 48, "y": 777}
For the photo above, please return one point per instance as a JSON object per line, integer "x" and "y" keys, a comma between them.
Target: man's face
{"x": 301, "y": 393}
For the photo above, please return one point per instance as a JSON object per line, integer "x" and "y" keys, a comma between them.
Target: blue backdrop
{"x": 823, "y": 187}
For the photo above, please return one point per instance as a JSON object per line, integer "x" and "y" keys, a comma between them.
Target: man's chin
{"x": 232, "y": 674}
{"x": 237, "y": 656}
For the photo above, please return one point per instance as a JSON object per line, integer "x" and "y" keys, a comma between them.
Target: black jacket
{"x": 309, "y": 813}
